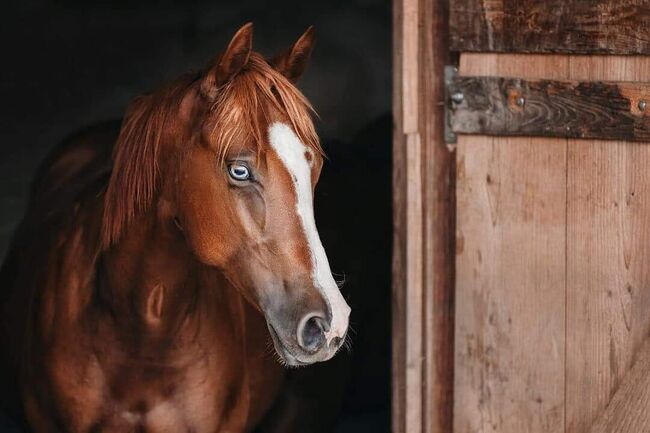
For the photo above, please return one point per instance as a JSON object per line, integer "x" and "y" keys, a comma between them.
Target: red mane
{"x": 134, "y": 177}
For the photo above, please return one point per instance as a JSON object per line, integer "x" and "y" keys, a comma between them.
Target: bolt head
{"x": 457, "y": 97}
{"x": 642, "y": 105}
{"x": 520, "y": 101}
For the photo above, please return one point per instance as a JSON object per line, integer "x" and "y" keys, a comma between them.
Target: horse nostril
{"x": 312, "y": 335}
{"x": 336, "y": 342}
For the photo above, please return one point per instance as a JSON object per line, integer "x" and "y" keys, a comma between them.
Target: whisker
{"x": 339, "y": 279}
{"x": 347, "y": 344}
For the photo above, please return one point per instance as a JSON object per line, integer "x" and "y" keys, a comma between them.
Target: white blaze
{"x": 292, "y": 153}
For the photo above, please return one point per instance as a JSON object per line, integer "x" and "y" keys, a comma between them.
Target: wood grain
{"x": 414, "y": 300}
{"x": 438, "y": 218}
{"x": 608, "y": 245}
{"x": 551, "y": 26}
{"x": 510, "y": 271}
{"x": 629, "y": 410}
{"x": 598, "y": 321}
{"x": 399, "y": 271}
{"x": 550, "y": 108}
{"x": 423, "y": 220}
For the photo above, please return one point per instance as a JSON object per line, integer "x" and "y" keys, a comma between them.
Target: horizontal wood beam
{"x": 551, "y": 26}
{"x": 629, "y": 409}
{"x": 512, "y": 106}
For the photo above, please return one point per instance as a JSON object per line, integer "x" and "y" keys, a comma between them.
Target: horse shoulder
{"x": 48, "y": 278}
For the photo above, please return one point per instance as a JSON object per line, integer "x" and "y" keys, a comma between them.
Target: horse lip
{"x": 289, "y": 358}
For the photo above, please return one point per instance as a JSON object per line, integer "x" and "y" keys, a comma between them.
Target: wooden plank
{"x": 423, "y": 220}
{"x": 398, "y": 361}
{"x": 414, "y": 281}
{"x": 439, "y": 219}
{"x": 551, "y": 26}
{"x": 549, "y": 108}
{"x": 629, "y": 410}
{"x": 510, "y": 271}
{"x": 414, "y": 349}
{"x": 409, "y": 44}
{"x": 408, "y": 352}
{"x": 608, "y": 245}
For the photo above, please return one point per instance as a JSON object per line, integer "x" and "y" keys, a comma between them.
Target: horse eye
{"x": 239, "y": 172}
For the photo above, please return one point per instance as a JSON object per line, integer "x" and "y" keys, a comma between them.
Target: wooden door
{"x": 553, "y": 288}
{"x": 549, "y": 265}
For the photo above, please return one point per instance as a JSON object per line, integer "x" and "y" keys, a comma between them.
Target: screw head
{"x": 457, "y": 97}
{"x": 520, "y": 101}
{"x": 642, "y": 105}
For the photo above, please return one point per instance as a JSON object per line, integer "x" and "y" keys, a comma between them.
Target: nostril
{"x": 336, "y": 342}
{"x": 312, "y": 335}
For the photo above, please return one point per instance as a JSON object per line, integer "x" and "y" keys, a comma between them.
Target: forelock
{"x": 242, "y": 109}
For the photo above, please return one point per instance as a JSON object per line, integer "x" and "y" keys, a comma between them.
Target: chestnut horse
{"x": 146, "y": 293}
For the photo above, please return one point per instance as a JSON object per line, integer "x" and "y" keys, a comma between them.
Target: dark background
{"x": 67, "y": 64}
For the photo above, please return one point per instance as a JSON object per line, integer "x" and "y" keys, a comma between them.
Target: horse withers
{"x": 144, "y": 292}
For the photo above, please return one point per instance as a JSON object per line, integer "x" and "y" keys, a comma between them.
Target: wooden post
{"x": 423, "y": 256}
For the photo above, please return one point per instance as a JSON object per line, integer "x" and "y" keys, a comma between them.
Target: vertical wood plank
{"x": 423, "y": 220}
{"x": 608, "y": 241}
{"x": 407, "y": 201}
{"x": 439, "y": 219}
{"x": 414, "y": 357}
{"x": 399, "y": 285}
{"x": 510, "y": 271}
{"x": 410, "y": 61}
{"x": 414, "y": 293}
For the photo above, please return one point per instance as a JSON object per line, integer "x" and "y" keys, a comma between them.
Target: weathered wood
{"x": 574, "y": 109}
{"x": 414, "y": 300}
{"x": 439, "y": 219}
{"x": 601, "y": 312}
{"x": 551, "y": 26}
{"x": 423, "y": 220}
{"x": 629, "y": 410}
{"x": 510, "y": 272}
{"x": 608, "y": 239}
{"x": 400, "y": 204}
{"x": 414, "y": 290}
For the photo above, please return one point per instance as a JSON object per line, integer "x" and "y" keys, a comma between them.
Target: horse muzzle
{"x": 310, "y": 340}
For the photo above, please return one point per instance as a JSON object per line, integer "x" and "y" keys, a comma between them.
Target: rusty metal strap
{"x": 547, "y": 108}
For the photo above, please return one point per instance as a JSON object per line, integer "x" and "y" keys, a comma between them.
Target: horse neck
{"x": 152, "y": 280}
{"x": 150, "y": 275}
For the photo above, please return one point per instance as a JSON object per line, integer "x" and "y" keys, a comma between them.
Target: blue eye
{"x": 239, "y": 172}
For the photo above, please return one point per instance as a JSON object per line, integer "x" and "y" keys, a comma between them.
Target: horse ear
{"x": 231, "y": 62}
{"x": 292, "y": 62}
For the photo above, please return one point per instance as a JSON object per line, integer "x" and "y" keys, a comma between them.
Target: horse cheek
{"x": 206, "y": 213}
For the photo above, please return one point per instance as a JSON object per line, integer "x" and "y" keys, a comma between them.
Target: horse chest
{"x": 190, "y": 388}
{"x": 194, "y": 400}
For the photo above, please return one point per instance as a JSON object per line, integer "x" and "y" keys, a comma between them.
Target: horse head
{"x": 230, "y": 157}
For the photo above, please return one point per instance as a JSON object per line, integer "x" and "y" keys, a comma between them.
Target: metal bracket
{"x": 451, "y": 72}
{"x": 503, "y": 106}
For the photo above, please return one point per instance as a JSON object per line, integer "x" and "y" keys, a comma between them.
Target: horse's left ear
{"x": 230, "y": 63}
{"x": 292, "y": 62}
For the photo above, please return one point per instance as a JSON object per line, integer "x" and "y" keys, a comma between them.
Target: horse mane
{"x": 239, "y": 107}
{"x": 134, "y": 176}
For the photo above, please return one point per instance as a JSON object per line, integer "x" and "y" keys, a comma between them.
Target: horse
{"x": 165, "y": 275}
